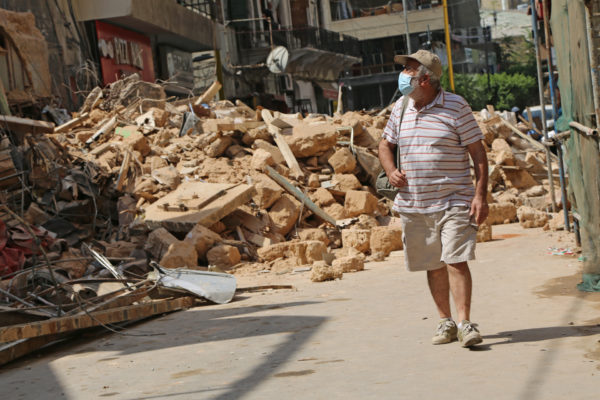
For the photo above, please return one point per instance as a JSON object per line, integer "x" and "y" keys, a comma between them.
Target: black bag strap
{"x": 402, "y": 110}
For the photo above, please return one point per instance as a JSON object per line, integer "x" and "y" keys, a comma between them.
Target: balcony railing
{"x": 343, "y": 9}
{"x": 207, "y": 8}
{"x": 299, "y": 38}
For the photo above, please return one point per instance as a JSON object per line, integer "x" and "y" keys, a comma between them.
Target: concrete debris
{"x": 237, "y": 187}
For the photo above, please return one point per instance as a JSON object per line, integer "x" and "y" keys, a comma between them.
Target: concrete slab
{"x": 366, "y": 336}
{"x": 193, "y": 195}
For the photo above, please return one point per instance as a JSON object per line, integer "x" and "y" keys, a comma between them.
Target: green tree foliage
{"x": 505, "y": 90}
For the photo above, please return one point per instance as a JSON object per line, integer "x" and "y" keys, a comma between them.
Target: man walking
{"x": 438, "y": 205}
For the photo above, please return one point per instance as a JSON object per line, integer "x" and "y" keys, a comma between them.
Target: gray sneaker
{"x": 468, "y": 334}
{"x": 445, "y": 332}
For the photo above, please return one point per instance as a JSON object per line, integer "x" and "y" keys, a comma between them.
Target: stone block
{"x": 284, "y": 214}
{"x": 323, "y": 272}
{"x": 218, "y": 146}
{"x": 345, "y": 182}
{"x": 484, "y": 233}
{"x": 342, "y": 161}
{"x": 267, "y": 191}
{"x": 180, "y": 255}
{"x": 158, "y": 242}
{"x": 310, "y": 139}
{"x": 359, "y": 202}
{"x": 359, "y": 239}
{"x": 501, "y": 213}
{"x": 223, "y": 256}
{"x": 531, "y": 218}
{"x": 260, "y": 159}
{"x": 386, "y": 239}
{"x": 336, "y": 211}
{"x": 349, "y": 264}
{"x": 322, "y": 197}
{"x": 203, "y": 239}
{"x": 313, "y": 234}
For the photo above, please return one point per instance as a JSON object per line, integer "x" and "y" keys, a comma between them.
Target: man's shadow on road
{"x": 537, "y": 335}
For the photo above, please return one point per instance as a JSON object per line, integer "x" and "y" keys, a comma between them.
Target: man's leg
{"x": 461, "y": 286}
{"x": 440, "y": 290}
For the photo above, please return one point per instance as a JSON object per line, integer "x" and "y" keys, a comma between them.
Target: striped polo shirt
{"x": 433, "y": 152}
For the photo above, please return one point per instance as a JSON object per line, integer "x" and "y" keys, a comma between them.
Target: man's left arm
{"x": 479, "y": 206}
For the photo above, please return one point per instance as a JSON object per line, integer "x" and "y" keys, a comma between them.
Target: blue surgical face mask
{"x": 405, "y": 83}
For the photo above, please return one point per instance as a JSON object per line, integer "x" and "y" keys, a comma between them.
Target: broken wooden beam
{"x": 534, "y": 142}
{"x": 209, "y": 94}
{"x": 67, "y": 324}
{"x": 72, "y": 124}
{"x": 294, "y": 191}
{"x": 32, "y": 126}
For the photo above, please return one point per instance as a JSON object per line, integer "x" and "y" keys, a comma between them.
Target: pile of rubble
{"x": 113, "y": 209}
{"x": 220, "y": 186}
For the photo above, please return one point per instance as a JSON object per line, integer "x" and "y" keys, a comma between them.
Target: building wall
{"x": 68, "y": 48}
{"x": 388, "y": 25}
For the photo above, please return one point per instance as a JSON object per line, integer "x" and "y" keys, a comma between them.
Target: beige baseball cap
{"x": 424, "y": 57}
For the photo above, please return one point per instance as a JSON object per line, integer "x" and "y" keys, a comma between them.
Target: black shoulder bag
{"x": 382, "y": 184}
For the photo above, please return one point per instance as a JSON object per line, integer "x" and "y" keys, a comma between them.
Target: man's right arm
{"x": 386, "y": 158}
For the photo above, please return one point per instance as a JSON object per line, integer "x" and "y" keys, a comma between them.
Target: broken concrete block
{"x": 342, "y": 161}
{"x": 218, "y": 147}
{"x": 313, "y": 234}
{"x": 180, "y": 255}
{"x": 323, "y": 272}
{"x": 336, "y": 211}
{"x": 223, "y": 256}
{"x": 255, "y": 134}
{"x": 359, "y": 202}
{"x": 535, "y": 191}
{"x": 168, "y": 176}
{"x": 138, "y": 142}
{"x": 505, "y": 158}
{"x": 305, "y": 252}
{"x": 158, "y": 242}
{"x": 310, "y": 139}
{"x": 349, "y": 264}
{"x": 501, "y": 213}
{"x": 284, "y": 265}
{"x": 260, "y": 159}
{"x": 345, "y": 182}
{"x": 203, "y": 240}
{"x": 274, "y": 150}
{"x": 519, "y": 179}
{"x": 499, "y": 145}
{"x": 313, "y": 181}
{"x": 284, "y": 214}
{"x": 386, "y": 239}
{"x": 322, "y": 197}
{"x": 267, "y": 191}
{"x": 359, "y": 239}
{"x": 535, "y": 165}
{"x": 531, "y": 218}
{"x": 557, "y": 222}
{"x": 484, "y": 233}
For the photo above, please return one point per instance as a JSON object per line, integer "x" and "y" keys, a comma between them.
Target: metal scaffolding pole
{"x": 542, "y": 102}
{"x": 561, "y": 165}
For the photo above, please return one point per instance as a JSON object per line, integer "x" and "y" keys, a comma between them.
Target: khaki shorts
{"x": 434, "y": 240}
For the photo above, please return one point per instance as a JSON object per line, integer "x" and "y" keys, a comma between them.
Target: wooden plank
{"x": 13, "y": 350}
{"x": 294, "y": 191}
{"x": 33, "y": 126}
{"x": 191, "y": 192}
{"x": 209, "y": 94}
{"x": 68, "y": 324}
{"x": 74, "y": 123}
{"x": 288, "y": 156}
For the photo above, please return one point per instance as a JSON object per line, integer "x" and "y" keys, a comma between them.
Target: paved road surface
{"x": 364, "y": 337}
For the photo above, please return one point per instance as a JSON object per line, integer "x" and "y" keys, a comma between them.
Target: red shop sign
{"x": 123, "y": 52}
